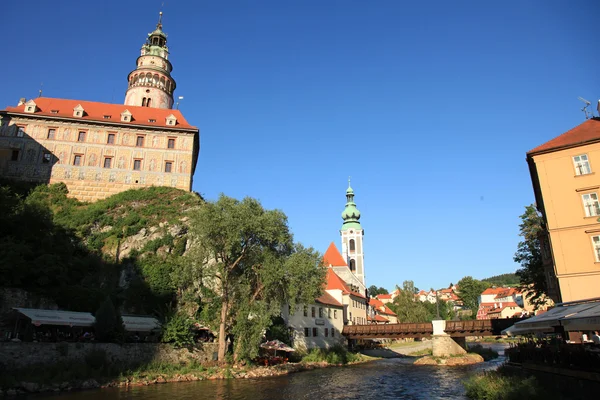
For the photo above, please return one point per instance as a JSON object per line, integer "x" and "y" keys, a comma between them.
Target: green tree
{"x": 243, "y": 258}
{"x": 470, "y": 290}
{"x": 529, "y": 255}
{"x": 109, "y": 324}
{"x": 374, "y": 290}
{"x": 406, "y": 307}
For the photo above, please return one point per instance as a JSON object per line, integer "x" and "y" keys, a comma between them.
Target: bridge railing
{"x": 388, "y": 329}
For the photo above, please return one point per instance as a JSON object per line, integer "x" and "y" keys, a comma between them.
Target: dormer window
{"x": 78, "y": 111}
{"x": 151, "y": 120}
{"x": 107, "y": 117}
{"x": 30, "y": 106}
{"x": 171, "y": 120}
{"x": 126, "y": 116}
{"x": 54, "y": 111}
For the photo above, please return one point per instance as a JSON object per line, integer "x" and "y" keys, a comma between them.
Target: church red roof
{"x": 587, "y": 132}
{"x": 333, "y": 258}
{"x": 333, "y": 282}
{"x": 95, "y": 111}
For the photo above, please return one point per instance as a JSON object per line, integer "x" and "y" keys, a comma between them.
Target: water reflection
{"x": 383, "y": 379}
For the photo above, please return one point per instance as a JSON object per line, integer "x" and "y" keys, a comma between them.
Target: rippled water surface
{"x": 383, "y": 379}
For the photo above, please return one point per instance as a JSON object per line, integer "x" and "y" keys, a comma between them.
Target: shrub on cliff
{"x": 109, "y": 324}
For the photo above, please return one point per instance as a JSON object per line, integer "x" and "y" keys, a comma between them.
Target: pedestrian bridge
{"x": 486, "y": 327}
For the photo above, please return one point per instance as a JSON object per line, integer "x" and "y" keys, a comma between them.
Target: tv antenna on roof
{"x": 584, "y": 109}
{"x": 178, "y": 101}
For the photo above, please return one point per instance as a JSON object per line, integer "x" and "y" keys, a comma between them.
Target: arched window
{"x": 352, "y": 265}
{"x": 148, "y": 102}
{"x": 162, "y": 82}
{"x": 352, "y": 246}
{"x": 144, "y": 102}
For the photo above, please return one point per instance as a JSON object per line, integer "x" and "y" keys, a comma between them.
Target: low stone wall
{"x": 23, "y": 354}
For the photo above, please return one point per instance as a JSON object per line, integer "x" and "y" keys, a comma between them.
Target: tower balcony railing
{"x": 152, "y": 85}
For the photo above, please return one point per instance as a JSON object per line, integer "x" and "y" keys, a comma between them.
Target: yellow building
{"x": 565, "y": 173}
{"x": 99, "y": 149}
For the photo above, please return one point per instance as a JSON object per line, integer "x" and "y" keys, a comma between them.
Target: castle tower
{"x": 151, "y": 84}
{"x": 352, "y": 237}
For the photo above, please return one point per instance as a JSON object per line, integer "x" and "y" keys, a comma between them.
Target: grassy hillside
{"x": 125, "y": 246}
{"x": 510, "y": 279}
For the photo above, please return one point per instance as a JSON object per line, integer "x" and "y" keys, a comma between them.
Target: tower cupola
{"x": 350, "y": 215}
{"x": 151, "y": 84}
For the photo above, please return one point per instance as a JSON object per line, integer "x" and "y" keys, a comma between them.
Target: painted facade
{"x": 566, "y": 187}
{"x": 98, "y": 149}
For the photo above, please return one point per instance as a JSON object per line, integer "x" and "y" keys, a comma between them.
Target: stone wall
{"x": 23, "y": 354}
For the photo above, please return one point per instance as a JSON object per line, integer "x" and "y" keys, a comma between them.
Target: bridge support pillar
{"x": 443, "y": 344}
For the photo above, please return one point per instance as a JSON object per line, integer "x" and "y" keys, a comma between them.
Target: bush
{"x": 335, "y": 355}
{"x": 485, "y": 352}
{"x": 178, "y": 330}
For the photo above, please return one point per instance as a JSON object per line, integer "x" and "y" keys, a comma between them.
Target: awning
{"x": 587, "y": 320}
{"x": 140, "y": 324}
{"x": 549, "y": 320}
{"x": 51, "y": 317}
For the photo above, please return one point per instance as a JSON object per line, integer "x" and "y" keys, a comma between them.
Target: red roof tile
{"x": 384, "y": 296}
{"x": 328, "y": 299}
{"x": 492, "y": 290}
{"x": 333, "y": 258}
{"x": 589, "y": 131}
{"x": 377, "y": 318}
{"x": 95, "y": 111}
{"x": 380, "y": 307}
{"x": 333, "y": 281}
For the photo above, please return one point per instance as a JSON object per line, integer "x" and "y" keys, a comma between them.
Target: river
{"x": 393, "y": 378}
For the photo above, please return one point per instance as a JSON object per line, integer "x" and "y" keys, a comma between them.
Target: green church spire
{"x": 350, "y": 215}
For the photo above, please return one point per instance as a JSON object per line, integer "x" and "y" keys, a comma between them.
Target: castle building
{"x": 99, "y": 149}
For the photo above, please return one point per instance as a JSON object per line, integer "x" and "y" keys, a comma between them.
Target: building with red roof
{"x": 383, "y": 311}
{"x": 566, "y": 187}
{"x": 99, "y": 149}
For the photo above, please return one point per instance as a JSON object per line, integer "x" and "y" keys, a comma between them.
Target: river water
{"x": 382, "y": 379}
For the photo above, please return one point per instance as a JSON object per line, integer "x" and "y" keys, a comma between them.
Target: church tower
{"x": 151, "y": 84}
{"x": 352, "y": 237}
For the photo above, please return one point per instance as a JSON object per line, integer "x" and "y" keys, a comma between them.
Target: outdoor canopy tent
{"x": 553, "y": 318}
{"x": 135, "y": 323}
{"x": 52, "y": 317}
{"x": 586, "y": 320}
{"x": 132, "y": 323}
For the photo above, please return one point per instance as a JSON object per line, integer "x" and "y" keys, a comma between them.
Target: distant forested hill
{"x": 503, "y": 280}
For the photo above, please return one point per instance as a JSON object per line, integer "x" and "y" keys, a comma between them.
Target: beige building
{"x": 99, "y": 149}
{"x": 566, "y": 186}
{"x": 317, "y": 325}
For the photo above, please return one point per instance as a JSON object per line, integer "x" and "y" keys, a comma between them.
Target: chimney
{"x": 22, "y": 101}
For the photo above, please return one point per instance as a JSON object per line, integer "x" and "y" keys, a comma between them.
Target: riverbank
{"x": 160, "y": 373}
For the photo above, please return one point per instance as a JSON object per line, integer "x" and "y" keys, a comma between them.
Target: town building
{"x": 566, "y": 187}
{"x": 381, "y": 313}
{"x": 99, "y": 149}
{"x": 317, "y": 325}
{"x": 505, "y": 310}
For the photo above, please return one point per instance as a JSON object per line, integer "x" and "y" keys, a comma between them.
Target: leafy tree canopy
{"x": 410, "y": 309}
{"x": 469, "y": 291}
{"x": 374, "y": 290}
{"x": 529, "y": 255}
{"x": 503, "y": 280}
{"x": 243, "y": 258}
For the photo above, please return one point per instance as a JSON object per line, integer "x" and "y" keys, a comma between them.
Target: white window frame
{"x": 591, "y": 205}
{"x": 596, "y": 247}
{"x": 580, "y": 162}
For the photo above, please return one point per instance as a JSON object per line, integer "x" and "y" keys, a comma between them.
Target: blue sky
{"x": 428, "y": 106}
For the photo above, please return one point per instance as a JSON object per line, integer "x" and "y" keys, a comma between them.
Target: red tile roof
{"x": 328, "y": 299}
{"x": 384, "y": 296}
{"x": 333, "y": 281}
{"x": 333, "y": 258}
{"x": 95, "y": 111}
{"x": 378, "y": 318}
{"x": 493, "y": 290}
{"x": 381, "y": 307}
{"x": 587, "y": 132}
{"x": 506, "y": 293}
